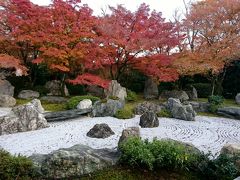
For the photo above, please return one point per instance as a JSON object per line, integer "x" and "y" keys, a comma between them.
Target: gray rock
{"x": 95, "y": 91}
{"x": 200, "y": 106}
{"x": 128, "y": 133}
{"x": 85, "y": 104}
{"x": 7, "y": 101}
{"x": 54, "y": 88}
{"x": 28, "y": 94}
{"x": 148, "y": 106}
{"x": 181, "y": 111}
{"x": 237, "y": 98}
{"x": 150, "y": 89}
{"x": 149, "y": 120}
{"x": 109, "y": 108}
{"x": 23, "y": 118}
{"x": 54, "y": 99}
{"x": 230, "y": 112}
{"x": 100, "y": 131}
{"x": 181, "y": 95}
{"x": 192, "y": 94}
{"x": 73, "y": 162}
{"x": 6, "y": 88}
{"x": 116, "y": 90}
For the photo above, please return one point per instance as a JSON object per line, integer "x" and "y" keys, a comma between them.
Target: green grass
{"x": 226, "y": 102}
{"x": 47, "y": 106}
{"x": 124, "y": 173}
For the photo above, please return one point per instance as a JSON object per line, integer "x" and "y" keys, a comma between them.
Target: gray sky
{"x": 167, "y": 7}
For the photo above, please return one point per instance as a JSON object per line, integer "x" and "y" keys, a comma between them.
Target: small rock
{"x": 28, "y": 94}
{"x": 7, "y": 101}
{"x": 237, "y": 98}
{"x": 100, "y": 131}
{"x": 54, "y": 88}
{"x": 149, "y": 120}
{"x": 230, "y": 112}
{"x": 181, "y": 95}
{"x": 85, "y": 104}
{"x": 129, "y": 132}
{"x": 147, "y": 106}
{"x": 95, "y": 91}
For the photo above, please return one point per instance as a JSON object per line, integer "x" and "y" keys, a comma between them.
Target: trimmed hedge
{"x": 15, "y": 167}
{"x": 124, "y": 114}
{"x": 131, "y": 96}
{"x": 164, "y": 113}
{"x": 74, "y": 101}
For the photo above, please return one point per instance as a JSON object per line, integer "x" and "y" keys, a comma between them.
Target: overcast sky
{"x": 167, "y": 7}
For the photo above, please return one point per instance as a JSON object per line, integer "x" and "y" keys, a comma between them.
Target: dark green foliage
{"x": 166, "y": 154}
{"x": 41, "y": 89}
{"x": 131, "y": 96}
{"x": 215, "y": 102}
{"x": 221, "y": 168}
{"x": 74, "y": 101}
{"x": 204, "y": 89}
{"x": 136, "y": 153}
{"x": 14, "y": 167}
{"x": 76, "y": 89}
{"x": 164, "y": 113}
{"x": 124, "y": 113}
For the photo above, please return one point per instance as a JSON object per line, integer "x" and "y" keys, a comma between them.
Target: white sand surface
{"x": 209, "y": 134}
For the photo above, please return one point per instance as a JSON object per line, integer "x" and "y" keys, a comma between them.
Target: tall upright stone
{"x": 116, "y": 90}
{"x": 6, "y": 87}
{"x": 150, "y": 89}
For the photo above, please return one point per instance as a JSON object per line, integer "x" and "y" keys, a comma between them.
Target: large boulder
{"x": 181, "y": 111}
{"x": 73, "y": 162}
{"x": 85, "y": 104}
{"x": 100, "y": 131}
{"x": 181, "y": 95}
{"x": 7, "y": 101}
{"x": 150, "y": 89}
{"x": 28, "y": 94}
{"x": 149, "y": 120}
{"x": 54, "y": 88}
{"x": 108, "y": 108}
{"x": 23, "y": 118}
{"x": 128, "y": 133}
{"x": 230, "y": 112}
{"x": 237, "y": 98}
{"x": 116, "y": 90}
{"x": 148, "y": 106}
{"x": 6, "y": 88}
{"x": 54, "y": 99}
{"x": 95, "y": 90}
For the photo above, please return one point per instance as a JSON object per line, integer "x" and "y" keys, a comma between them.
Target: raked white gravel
{"x": 209, "y": 134}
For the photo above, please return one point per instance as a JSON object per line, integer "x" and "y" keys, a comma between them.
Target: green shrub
{"x": 131, "y": 96}
{"x": 14, "y": 167}
{"x": 223, "y": 167}
{"x": 166, "y": 154}
{"x": 204, "y": 89}
{"x": 135, "y": 152}
{"x": 73, "y": 102}
{"x": 124, "y": 113}
{"x": 215, "y": 102}
{"x": 164, "y": 113}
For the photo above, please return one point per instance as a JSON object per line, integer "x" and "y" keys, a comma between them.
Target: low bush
{"x": 131, "y": 96}
{"x": 113, "y": 97}
{"x": 203, "y": 89}
{"x": 74, "y": 101}
{"x": 223, "y": 167}
{"x": 15, "y": 167}
{"x": 125, "y": 113}
{"x": 159, "y": 154}
{"x": 164, "y": 113}
{"x": 215, "y": 102}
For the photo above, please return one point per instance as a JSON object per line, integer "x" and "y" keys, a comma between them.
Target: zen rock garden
{"x": 128, "y": 94}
